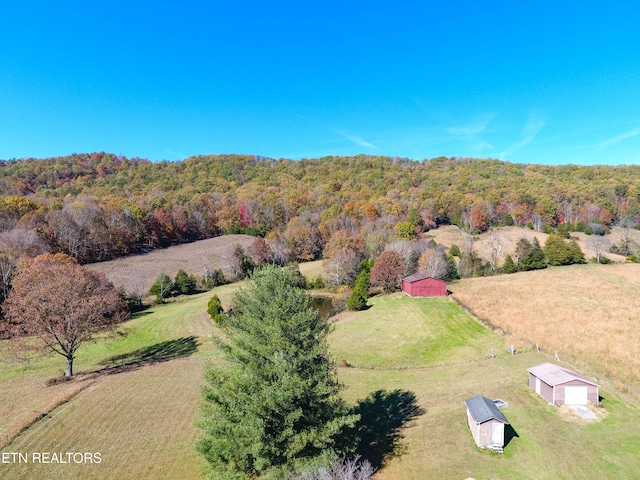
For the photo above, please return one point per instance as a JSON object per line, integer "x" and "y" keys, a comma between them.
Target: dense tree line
{"x": 266, "y": 194}
{"x": 99, "y": 206}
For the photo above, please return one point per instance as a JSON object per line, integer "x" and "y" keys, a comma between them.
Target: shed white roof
{"x": 555, "y": 375}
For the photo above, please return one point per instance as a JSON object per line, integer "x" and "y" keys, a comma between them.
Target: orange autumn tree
{"x": 62, "y": 304}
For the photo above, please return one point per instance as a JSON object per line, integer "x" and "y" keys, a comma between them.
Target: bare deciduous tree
{"x": 495, "y": 242}
{"x": 349, "y": 469}
{"x": 22, "y": 243}
{"x": 600, "y": 244}
{"x": 341, "y": 268}
{"x": 433, "y": 263}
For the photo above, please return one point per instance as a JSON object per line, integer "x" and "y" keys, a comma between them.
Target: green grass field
{"x": 136, "y": 400}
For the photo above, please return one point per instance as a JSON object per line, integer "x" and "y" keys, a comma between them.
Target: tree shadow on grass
{"x": 160, "y": 352}
{"x": 383, "y": 415}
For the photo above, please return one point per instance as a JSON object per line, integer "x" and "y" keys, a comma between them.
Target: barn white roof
{"x": 555, "y": 375}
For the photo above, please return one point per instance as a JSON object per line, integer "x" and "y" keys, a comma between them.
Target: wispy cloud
{"x": 619, "y": 138}
{"x": 357, "y": 139}
{"x": 471, "y": 133}
{"x": 529, "y": 132}
{"x": 177, "y": 156}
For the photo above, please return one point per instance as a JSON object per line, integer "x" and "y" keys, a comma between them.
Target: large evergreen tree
{"x": 276, "y": 403}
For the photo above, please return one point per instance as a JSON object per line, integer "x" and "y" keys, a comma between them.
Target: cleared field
{"x": 159, "y": 334}
{"x": 448, "y": 235}
{"x": 437, "y": 443}
{"x": 395, "y": 339}
{"x": 140, "y": 422}
{"x": 136, "y": 273}
{"x": 424, "y": 357}
{"x": 585, "y": 313}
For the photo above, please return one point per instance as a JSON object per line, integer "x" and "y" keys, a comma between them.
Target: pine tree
{"x": 509, "y": 265}
{"x": 358, "y": 298}
{"x": 183, "y": 283}
{"x": 453, "y": 269}
{"x": 276, "y": 405}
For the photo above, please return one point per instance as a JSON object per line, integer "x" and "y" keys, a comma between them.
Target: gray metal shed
{"x": 486, "y": 422}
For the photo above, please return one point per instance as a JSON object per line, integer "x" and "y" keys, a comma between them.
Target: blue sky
{"x": 534, "y": 82}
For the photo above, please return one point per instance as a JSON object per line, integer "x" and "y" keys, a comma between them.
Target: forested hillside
{"x": 100, "y": 206}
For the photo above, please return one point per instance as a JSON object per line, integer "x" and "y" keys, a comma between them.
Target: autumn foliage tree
{"x": 388, "y": 270}
{"x": 62, "y": 304}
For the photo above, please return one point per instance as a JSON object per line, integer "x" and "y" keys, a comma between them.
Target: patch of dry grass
{"x": 140, "y": 421}
{"x": 448, "y": 235}
{"x": 311, "y": 270}
{"x": 587, "y": 313}
{"x": 136, "y": 273}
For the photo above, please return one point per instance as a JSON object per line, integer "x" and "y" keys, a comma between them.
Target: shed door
{"x": 537, "y": 385}
{"x": 575, "y": 395}
{"x": 497, "y": 430}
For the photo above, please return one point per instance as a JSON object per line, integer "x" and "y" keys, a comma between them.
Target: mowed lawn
{"x": 423, "y": 356}
{"x": 134, "y": 399}
{"x": 397, "y": 348}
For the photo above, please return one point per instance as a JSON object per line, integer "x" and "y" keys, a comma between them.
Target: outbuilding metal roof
{"x": 482, "y": 410}
{"x": 416, "y": 277}
{"x": 555, "y": 375}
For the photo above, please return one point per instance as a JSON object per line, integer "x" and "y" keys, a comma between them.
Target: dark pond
{"x": 324, "y": 305}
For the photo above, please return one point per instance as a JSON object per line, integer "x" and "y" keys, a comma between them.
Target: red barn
{"x": 419, "y": 285}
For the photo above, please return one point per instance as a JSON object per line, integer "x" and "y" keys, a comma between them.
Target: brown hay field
{"x": 450, "y": 234}
{"x": 585, "y": 314}
{"x": 136, "y": 273}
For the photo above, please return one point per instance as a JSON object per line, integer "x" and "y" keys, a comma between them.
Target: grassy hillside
{"x": 134, "y": 400}
{"x": 550, "y": 443}
{"x": 424, "y": 357}
{"x": 136, "y": 273}
{"x": 585, "y": 313}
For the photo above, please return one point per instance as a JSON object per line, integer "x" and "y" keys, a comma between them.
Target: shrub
{"x": 132, "y": 300}
{"x": 162, "y": 287}
{"x": 316, "y": 284}
{"x": 560, "y": 252}
{"x": 214, "y": 278}
{"x": 184, "y": 283}
{"x": 603, "y": 260}
{"x": 215, "y": 310}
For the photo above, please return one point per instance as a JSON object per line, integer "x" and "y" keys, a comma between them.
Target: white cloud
{"x": 470, "y": 134}
{"x": 357, "y": 139}
{"x": 619, "y": 138}
{"x": 529, "y": 132}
